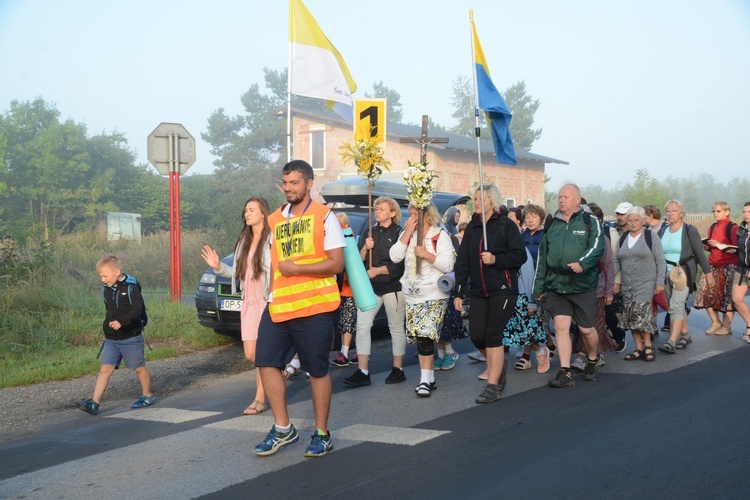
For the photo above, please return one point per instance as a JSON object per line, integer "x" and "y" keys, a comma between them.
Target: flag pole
{"x": 289, "y": 92}
{"x": 477, "y": 131}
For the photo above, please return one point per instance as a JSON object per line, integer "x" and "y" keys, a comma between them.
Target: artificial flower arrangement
{"x": 368, "y": 156}
{"x": 420, "y": 184}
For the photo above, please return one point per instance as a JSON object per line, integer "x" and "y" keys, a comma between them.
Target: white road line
{"x": 386, "y": 434}
{"x": 162, "y": 414}
{"x": 253, "y": 423}
{"x": 705, "y": 355}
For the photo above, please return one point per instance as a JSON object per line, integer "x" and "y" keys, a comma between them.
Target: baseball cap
{"x": 623, "y": 208}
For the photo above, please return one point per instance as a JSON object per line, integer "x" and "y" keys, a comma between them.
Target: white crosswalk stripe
{"x": 162, "y": 414}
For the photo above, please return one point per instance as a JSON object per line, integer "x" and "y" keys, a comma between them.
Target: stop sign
{"x": 171, "y": 144}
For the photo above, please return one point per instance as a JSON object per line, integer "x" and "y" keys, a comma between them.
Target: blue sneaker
{"x": 438, "y": 364}
{"x": 320, "y": 444}
{"x": 88, "y": 405}
{"x": 144, "y": 401}
{"x": 275, "y": 440}
{"x": 449, "y": 361}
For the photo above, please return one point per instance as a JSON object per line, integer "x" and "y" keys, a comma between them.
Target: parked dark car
{"x": 216, "y": 306}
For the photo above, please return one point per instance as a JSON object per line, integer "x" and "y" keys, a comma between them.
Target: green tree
{"x": 645, "y": 190}
{"x": 54, "y": 179}
{"x": 47, "y": 168}
{"x": 464, "y": 106}
{"x": 521, "y": 105}
{"x": 394, "y": 110}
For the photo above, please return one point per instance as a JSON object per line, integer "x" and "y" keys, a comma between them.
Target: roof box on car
{"x": 353, "y": 191}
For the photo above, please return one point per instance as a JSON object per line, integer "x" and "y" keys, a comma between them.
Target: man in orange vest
{"x": 307, "y": 251}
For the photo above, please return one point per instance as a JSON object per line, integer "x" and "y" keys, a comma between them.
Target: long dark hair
{"x": 246, "y": 238}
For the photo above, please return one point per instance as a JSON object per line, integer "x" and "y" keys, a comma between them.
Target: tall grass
{"x": 148, "y": 261}
{"x": 51, "y": 307}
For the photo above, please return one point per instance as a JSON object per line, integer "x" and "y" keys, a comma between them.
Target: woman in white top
{"x": 425, "y": 302}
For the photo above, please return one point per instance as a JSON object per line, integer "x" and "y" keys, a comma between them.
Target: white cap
{"x": 623, "y": 208}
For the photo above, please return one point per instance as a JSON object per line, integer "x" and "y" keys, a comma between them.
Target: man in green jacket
{"x": 567, "y": 276}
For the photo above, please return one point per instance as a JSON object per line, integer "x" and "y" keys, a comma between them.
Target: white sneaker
{"x": 578, "y": 364}
{"x": 477, "y": 356}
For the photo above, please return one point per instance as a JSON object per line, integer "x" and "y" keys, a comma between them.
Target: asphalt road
{"x": 675, "y": 428}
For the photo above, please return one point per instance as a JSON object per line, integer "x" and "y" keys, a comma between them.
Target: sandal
{"x": 255, "y": 408}
{"x": 522, "y": 364}
{"x": 648, "y": 353}
{"x": 668, "y": 348}
{"x": 423, "y": 390}
{"x": 683, "y": 342}
{"x": 490, "y": 394}
{"x": 637, "y": 354}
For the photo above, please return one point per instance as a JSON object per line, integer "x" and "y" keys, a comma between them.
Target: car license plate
{"x": 231, "y": 304}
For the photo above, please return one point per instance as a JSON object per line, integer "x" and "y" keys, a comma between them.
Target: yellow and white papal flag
{"x": 317, "y": 69}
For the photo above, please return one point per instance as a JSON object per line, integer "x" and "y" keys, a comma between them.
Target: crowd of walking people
{"x": 517, "y": 272}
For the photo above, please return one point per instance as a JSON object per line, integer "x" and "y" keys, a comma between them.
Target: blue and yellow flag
{"x": 490, "y": 100}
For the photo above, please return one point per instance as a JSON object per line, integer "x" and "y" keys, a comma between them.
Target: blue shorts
{"x": 309, "y": 337}
{"x": 130, "y": 350}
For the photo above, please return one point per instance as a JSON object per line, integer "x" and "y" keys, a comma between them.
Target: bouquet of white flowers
{"x": 420, "y": 184}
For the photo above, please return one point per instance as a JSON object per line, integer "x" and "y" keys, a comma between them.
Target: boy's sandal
{"x": 649, "y": 353}
{"x": 637, "y": 354}
{"x": 683, "y": 342}
{"x": 255, "y": 408}
{"x": 522, "y": 364}
{"x": 668, "y": 348}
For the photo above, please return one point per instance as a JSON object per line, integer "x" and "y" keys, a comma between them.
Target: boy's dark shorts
{"x": 130, "y": 350}
{"x": 580, "y": 306}
{"x": 309, "y": 337}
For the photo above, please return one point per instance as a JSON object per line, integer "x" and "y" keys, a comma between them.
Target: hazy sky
{"x": 663, "y": 85}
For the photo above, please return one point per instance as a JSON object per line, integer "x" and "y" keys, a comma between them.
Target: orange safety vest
{"x": 300, "y": 296}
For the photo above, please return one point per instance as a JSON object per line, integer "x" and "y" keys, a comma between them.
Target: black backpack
{"x": 728, "y": 231}
{"x": 585, "y": 215}
{"x": 647, "y": 235}
{"x": 131, "y": 282}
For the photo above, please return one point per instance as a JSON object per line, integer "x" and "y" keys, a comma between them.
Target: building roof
{"x": 455, "y": 143}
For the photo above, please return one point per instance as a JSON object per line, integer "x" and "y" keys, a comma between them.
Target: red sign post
{"x": 171, "y": 150}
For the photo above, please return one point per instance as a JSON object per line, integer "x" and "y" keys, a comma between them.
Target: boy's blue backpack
{"x": 134, "y": 282}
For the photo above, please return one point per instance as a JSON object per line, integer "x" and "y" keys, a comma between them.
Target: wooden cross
{"x": 423, "y": 141}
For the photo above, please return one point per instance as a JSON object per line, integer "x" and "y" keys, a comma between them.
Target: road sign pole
{"x": 171, "y": 150}
{"x": 178, "y": 225}
{"x": 174, "y": 212}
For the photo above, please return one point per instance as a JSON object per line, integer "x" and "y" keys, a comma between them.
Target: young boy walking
{"x": 123, "y": 326}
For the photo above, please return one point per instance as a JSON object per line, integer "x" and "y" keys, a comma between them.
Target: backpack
{"x": 586, "y": 220}
{"x": 131, "y": 282}
{"x": 647, "y": 235}
{"x": 144, "y": 315}
{"x": 728, "y": 231}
